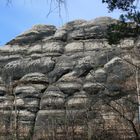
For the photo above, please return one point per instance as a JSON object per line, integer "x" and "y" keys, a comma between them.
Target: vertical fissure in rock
{"x": 32, "y": 134}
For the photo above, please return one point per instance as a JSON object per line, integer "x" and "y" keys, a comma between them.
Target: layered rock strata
{"x": 69, "y": 83}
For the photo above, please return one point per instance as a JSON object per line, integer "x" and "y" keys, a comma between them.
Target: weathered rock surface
{"x": 57, "y": 83}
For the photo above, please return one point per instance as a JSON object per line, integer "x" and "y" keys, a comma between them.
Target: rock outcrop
{"x": 69, "y": 83}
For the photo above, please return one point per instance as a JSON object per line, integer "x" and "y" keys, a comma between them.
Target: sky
{"x": 21, "y": 15}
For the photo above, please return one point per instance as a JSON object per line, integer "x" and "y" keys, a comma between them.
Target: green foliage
{"x": 122, "y": 30}
{"x": 130, "y": 7}
{"x": 125, "y": 5}
{"x": 125, "y": 28}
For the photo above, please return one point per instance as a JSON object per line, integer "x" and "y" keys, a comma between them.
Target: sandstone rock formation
{"x": 69, "y": 83}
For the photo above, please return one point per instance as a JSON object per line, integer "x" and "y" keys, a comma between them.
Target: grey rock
{"x": 78, "y": 100}
{"x": 69, "y": 84}
{"x": 25, "y": 91}
{"x": 62, "y": 33}
{"x": 119, "y": 68}
{"x": 26, "y": 116}
{"x": 37, "y": 78}
{"x": 53, "y": 48}
{"x": 52, "y": 98}
{"x": 93, "y": 29}
{"x": 36, "y": 33}
{"x": 23, "y": 67}
{"x": 98, "y": 75}
{"x": 53, "y": 78}
{"x": 93, "y": 88}
{"x": 74, "y": 47}
{"x": 12, "y": 50}
{"x": 2, "y": 90}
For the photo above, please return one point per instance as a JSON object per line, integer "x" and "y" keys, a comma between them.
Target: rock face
{"x": 69, "y": 83}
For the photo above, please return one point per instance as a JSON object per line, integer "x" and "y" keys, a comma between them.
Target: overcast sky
{"x": 23, "y": 14}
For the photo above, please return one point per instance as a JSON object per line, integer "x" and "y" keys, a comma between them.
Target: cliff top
{"x": 77, "y": 29}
